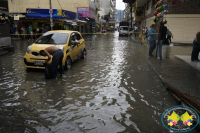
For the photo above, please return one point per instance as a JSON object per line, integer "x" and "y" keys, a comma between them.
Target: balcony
{"x": 111, "y": 10}
{"x": 98, "y": 6}
{"x": 111, "y": 3}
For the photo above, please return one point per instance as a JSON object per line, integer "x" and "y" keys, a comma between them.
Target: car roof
{"x": 61, "y": 31}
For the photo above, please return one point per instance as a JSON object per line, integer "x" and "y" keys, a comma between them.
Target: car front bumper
{"x": 29, "y": 61}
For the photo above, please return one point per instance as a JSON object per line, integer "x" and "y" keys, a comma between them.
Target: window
{"x": 53, "y": 38}
{"x": 147, "y": 5}
{"x": 123, "y": 28}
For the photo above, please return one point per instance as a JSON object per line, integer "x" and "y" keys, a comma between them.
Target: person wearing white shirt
{"x": 136, "y": 31}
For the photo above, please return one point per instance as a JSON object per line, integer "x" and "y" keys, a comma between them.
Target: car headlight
{"x": 28, "y": 49}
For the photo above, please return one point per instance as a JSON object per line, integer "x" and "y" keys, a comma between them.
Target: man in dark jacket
{"x": 196, "y": 48}
{"x": 161, "y": 38}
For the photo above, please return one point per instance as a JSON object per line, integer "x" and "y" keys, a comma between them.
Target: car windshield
{"x": 123, "y": 28}
{"x": 53, "y": 38}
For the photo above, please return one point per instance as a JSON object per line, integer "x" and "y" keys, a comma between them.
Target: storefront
{"x": 89, "y": 16}
{"x": 60, "y": 18}
{"x": 103, "y": 24}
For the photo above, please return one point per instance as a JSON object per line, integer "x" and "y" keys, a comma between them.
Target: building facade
{"x": 89, "y": 9}
{"x": 182, "y": 20}
{"x": 107, "y": 13}
{"x": 119, "y": 16}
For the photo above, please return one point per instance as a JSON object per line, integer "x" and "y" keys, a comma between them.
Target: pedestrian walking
{"x": 136, "y": 30}
{"x": 169, "y": 35}
{"x": 146, "y": 32}
{"x": 56, "y": 60}
{"x": 31, "y": 31}
{"x": 196, "y": 48}
{"x": 44, "y": 30}
{"x": 23, "y": 31}
{"x": 13, "y": 30}
{"x": 37, "y": 32}
{"x": 161, "y": 38}
{"x": 17, "y": 33}
{"x": 143, "y": 31}
{"x": 153, "y": 36}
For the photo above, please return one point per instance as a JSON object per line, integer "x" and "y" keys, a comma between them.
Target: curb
{"x": 176, "y": 57}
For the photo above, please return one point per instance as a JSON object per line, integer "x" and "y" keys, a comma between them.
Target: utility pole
{"x": 50, "y": 11}
{"x": 131, "y": 4}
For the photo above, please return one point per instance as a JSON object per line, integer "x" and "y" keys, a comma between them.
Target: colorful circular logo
{"x": 180, "y": 118}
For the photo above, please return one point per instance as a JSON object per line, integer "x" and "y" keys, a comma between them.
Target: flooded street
{"x": 113, "y": 90}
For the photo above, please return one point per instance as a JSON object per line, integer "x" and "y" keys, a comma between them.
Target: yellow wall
{"x": 19, "y": 6}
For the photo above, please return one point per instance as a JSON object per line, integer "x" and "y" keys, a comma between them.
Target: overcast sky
{"x": 120, "y": 5}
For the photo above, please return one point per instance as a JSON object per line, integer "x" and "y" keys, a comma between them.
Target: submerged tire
{"x": 84, "y": 54}
{"x": 48, "y": 71}
{"x": 68, "y": 63}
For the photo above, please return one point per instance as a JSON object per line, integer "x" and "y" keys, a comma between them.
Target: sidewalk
{"x": 187, "y": 59}
{"x": 181, "y": 72}
{"x": 177, "y": 72}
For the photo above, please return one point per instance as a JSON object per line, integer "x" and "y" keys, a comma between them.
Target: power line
{"x": 59, "y": 3}
{"x": 38, "y": 4}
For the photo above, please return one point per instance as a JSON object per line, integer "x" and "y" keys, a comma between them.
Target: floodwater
{"x": 113, "y": 90}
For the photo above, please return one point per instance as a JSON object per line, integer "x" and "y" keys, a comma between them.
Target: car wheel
{"x": 84, "y": 54}
{"x": 48, "y": 71}
{"x": 68, "y": 63}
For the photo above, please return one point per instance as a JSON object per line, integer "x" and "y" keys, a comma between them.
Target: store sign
{"x": 68, "y": 15}
{"x": 79, "y": 16}
{"x": 84, "y": 11}
{"x": 43, "y": 13}
{"x": 16, "y": 17}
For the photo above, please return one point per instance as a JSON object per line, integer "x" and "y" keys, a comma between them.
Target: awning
{"x": 74, "y": 23}
{"x": 90, "y": 20}
{"x": 81, "y": 23}
{"x": 102, "y": 20}
{"x": 41, "y": 20}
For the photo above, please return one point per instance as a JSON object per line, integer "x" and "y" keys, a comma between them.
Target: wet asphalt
{"x": 113, "y": 90}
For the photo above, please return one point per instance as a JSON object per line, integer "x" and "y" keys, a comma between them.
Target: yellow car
{"x": 61, "y": 39}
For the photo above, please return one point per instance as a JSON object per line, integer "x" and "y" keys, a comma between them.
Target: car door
{"x": 80, "y": 46}
{"x": 73, "y": 48}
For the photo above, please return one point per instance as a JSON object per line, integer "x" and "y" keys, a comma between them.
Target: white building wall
{"x": 105, "y": 7}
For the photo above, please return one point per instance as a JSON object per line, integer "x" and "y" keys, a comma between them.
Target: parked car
{"x": 124, "y": 29}
{"x": 60, "y": 39}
